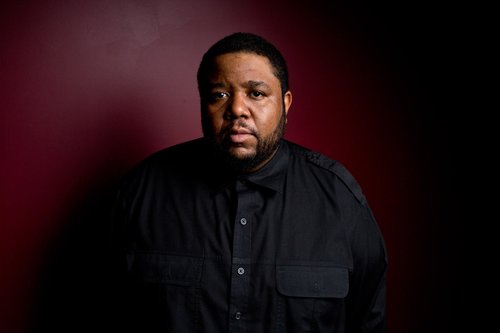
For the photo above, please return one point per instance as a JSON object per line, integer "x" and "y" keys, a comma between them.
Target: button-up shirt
{"x": 292, "y": 247}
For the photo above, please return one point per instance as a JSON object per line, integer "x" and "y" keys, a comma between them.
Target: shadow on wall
{"x": 72, "y": 292}
{"x": 71, "y": 295}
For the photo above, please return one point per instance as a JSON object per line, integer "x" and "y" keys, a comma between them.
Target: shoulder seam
{"x": 334, "y": 167}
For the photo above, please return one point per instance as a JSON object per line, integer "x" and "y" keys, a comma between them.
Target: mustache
{"x": 226, "y": 130}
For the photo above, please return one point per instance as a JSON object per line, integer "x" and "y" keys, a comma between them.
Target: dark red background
{"x": 88, "y": 88}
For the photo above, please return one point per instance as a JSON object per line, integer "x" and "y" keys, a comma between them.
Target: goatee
{"x": 265, "y": 149}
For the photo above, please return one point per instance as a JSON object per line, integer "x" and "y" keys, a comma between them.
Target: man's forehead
{"x": 241, "y": 54}
{"x": 241, "y": 60}
{"x": 247, "y": 84}
{"x": 250, "y": 69}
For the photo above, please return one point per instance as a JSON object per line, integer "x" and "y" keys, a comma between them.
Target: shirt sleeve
{"x": 121, "y": 314}
{"x": 366, "y": 304}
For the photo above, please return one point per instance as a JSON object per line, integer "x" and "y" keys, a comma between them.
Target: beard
{"x": 264, "y": 150}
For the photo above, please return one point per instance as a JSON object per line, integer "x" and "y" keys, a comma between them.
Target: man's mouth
{"x": 239, "y": 135}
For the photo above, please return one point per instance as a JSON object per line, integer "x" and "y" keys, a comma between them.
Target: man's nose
{"x": 237, "y": 107}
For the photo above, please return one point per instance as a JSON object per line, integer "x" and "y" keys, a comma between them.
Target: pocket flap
{"x": 312, "y": 281}
{"x": 165, "y": 268}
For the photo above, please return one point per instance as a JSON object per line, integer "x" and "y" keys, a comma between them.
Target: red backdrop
{"x": 88, "y": 88}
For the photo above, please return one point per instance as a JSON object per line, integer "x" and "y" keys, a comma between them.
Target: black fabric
{"x": 292, "y": 247}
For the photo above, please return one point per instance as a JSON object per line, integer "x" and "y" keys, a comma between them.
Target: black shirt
{"x": 293, "y": 247}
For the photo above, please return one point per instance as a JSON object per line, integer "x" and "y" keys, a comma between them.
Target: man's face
{"x": 245, "y": 112}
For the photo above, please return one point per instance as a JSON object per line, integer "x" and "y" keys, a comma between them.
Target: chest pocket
{"x": 165, "y": 290}
{"x": 310, "y": 298}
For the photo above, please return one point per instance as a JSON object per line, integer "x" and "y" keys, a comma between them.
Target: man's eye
{"x": 256, "y": 94}
{"x": 219, "y": 95}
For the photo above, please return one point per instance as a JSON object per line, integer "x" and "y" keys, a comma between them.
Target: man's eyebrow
{"x": 249, "y": 84}
{"x": 255, "y": 84}
{"x": 217, "y": 85}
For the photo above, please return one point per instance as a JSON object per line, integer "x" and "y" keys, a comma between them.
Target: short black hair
{"x": 246, "y": 43}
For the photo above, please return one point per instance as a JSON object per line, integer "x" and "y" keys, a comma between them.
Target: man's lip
{"x": 236, "y": 131}
{"x": 239, "y": 135}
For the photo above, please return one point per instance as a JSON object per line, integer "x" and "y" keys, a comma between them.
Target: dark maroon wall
{"x": 88, "y": 88}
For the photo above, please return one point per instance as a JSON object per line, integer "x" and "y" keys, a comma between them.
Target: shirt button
{"x": 241, "y": 271}
{"x": 243, "y": 221}
{"x": 237, "y": 315}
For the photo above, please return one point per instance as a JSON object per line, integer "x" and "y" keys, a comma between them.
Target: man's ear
{"x": 287, "y": 100}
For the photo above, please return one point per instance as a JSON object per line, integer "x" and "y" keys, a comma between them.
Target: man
{"x": 242, "y": 230}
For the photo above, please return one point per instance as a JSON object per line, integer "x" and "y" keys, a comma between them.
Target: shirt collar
{"x": 270, "y": 176}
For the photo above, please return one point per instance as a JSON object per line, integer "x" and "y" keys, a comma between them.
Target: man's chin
{"x": 239, "y": 160}
{"x": 241, "y": 153}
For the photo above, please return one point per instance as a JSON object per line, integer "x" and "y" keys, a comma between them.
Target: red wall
{"x": 88, "y": 88}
